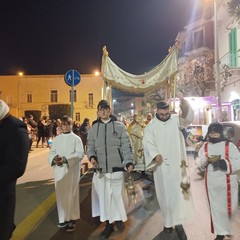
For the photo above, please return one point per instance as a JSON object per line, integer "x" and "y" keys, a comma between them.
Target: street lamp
{"x": 96, "y": 73}
{"x": 217, "y": 63}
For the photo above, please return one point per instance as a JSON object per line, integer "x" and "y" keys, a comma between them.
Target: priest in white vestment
{"x": 164, "y": 150}
{"x": 65, "y": 158}
{"x": 220, "y": 159}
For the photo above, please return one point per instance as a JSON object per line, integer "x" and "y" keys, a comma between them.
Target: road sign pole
{"x": 72, "y": 78}
{"x": 72, "y": 95}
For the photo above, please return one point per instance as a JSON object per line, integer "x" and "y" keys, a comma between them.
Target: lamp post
{"x": 217, "y": 63}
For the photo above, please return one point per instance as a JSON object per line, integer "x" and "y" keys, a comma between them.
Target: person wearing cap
{"x": 164, "y": 147}
{"x": 220, "y": 159}
{"x": 14, "y": 148}
{"x": 109, "y": 151}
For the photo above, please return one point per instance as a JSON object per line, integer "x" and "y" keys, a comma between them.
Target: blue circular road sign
{"x": 72, "y": 77}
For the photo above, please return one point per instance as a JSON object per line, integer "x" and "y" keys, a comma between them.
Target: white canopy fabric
{"x": 158, "y": 76}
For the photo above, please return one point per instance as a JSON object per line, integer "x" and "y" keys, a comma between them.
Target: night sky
{"x": 53, "y": 36}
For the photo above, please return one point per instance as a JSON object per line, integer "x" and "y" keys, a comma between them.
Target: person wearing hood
{"x": 220, "y": 159}
{"x": 14, "y": 148}
{"x": 109, "y": 151}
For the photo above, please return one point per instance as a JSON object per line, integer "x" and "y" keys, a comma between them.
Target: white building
{"x": 228, "y": 35}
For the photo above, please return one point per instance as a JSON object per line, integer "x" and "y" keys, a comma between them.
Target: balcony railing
{"x": 231, "y": 60}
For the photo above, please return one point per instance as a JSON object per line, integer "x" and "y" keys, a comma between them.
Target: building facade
{"x": 37, "y": 92}
{"x": 197, "y": 71}
{"x": 228, "y": 35}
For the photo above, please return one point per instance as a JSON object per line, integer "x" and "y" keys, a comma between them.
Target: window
{"x": 29, "y": 98}
{"x": 90, "y": 99}
{"x": 74, "y": 96}
{"x": 198, "y": 39}
{"x": 54, "y": 96}
{"x": 233, "y": 48}
{"x": 77, "y": 116}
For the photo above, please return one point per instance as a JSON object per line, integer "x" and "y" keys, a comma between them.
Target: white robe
{"x": 216, "y": 185}
{"x": 165, "y": 138}
{"x": 108, "y": 197}
{"x": 67, "y": 177}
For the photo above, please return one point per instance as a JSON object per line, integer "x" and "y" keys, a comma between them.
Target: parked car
{"x": 192, "y": 135}
{"x": 231, "y": 131}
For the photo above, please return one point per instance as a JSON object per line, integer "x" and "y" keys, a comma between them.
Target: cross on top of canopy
{"x": 157, "y": 77}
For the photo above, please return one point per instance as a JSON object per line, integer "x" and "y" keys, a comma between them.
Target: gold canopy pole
{"x": 166, "y": 91}
{"x": 104, "y": 58}
{"x": 174, "y": 92}
{"x": 170, "y": 93}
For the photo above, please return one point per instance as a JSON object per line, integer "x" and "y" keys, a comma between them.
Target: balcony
{"x": 233, "y": 63}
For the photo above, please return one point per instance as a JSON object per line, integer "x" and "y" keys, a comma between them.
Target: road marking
{"x": 28, "y": 224}
{"x": 33, "y": 219}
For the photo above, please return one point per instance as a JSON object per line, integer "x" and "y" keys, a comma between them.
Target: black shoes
{"x": 180, "y": 232}
{"x": 168, "y": 230}
{"x": 71, "y": 226}
{"x": 120, "y": 226}
{"x": 107, "y": 231}
{"x": 219, "y": 237}
{"x": 64, "y": 224}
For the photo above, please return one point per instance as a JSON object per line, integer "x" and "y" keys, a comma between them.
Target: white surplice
{"x": 67, "y": 177}
{"x": 165, "y": 138}
{"x": 221, "y": 186}
{"x": 108, "y": 197}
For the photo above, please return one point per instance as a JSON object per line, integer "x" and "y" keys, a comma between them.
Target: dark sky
{"x": 53, "y": 36}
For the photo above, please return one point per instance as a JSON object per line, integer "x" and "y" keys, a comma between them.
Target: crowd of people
{"x": 114, "y": 147}
{"x": 45, "y": 129}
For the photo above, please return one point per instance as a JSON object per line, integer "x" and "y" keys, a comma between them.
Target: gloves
{"x": 220, "y": 165}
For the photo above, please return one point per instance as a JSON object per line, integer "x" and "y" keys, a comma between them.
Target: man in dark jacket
{"x": 14, "y": 147}
{"x": 109, "y": 151}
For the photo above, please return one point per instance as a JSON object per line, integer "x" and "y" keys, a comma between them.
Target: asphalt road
{"x": 144, "y": 222}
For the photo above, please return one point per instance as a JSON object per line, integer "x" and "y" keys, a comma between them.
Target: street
{"x": 144, "y": 222}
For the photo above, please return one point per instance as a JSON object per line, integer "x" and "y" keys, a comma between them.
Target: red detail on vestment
{"x": 206, "y": 174}
{"x": 228, "y": 181}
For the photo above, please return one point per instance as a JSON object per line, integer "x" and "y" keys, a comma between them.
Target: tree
{"x": 196, "y": 76}
{"x": 233, "y": 8}
{"x": 153, "y": 97}
{"x": 57, "y": 111}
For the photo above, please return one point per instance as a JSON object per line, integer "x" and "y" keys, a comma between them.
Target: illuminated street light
{"x": 20, "y": 73}
{"x": 97, "y": 73}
